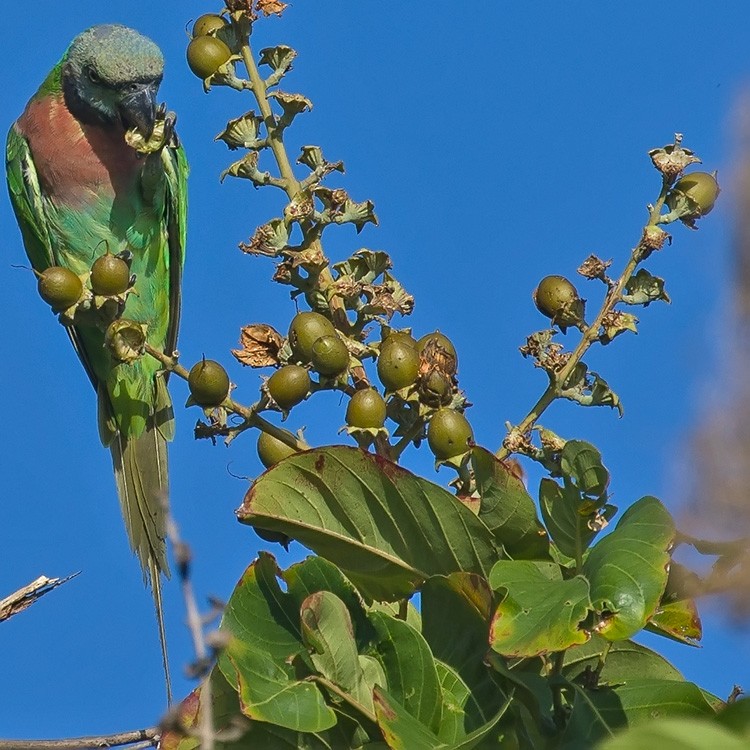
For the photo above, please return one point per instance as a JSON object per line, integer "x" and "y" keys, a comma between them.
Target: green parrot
{"x": 77, "y": 187}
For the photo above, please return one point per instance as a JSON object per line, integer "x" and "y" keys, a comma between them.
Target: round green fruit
{"x": 206, "y": 54}
{"x": 329, "y": 355}
{"x": 208, "y": 382}
{"x": 289, "y": 385}
{"x": 59, "y": 287}
{"x": 398, "y": 364}
{"x": 401, "y": 337}
{"x": 366, "y": 409}
{"x": 208, "y": 23}
{"x": 110, "y": 275}
{"x": 448, "y": 434}
{"x": 305, "y": 329}
{"x": 553, "y": 295}
{"x": 271, "y": 450}
{"x": 700, "y": 187}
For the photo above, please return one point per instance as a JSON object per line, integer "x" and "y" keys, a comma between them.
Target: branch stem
{"x": 150, "y": 736}
{"x": 590, "y": 334}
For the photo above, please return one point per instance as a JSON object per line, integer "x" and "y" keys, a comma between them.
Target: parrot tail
{"x": 140, "y": 466}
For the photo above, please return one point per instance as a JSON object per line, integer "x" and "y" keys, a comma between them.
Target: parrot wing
{"x": 28, "y": 206}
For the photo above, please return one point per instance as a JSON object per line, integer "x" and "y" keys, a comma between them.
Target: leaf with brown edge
{"x": 260, "y": 346}
{"x": 387, "y": 529}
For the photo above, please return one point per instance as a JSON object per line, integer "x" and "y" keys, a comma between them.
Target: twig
{"x": 202, "y": 665}
{"x": 27, "y": 595}
{"x": 591, "y": 334}
{"x": 144, "y": 737}
{"x": 249, "y": 414}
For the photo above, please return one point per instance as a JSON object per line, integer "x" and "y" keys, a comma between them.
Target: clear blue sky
{"x": 499, "y": 143}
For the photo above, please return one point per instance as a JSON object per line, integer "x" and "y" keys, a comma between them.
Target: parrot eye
{"x": 93, "y": 76}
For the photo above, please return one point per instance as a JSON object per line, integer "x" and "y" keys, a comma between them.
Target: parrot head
{"x": 111, "y": 74}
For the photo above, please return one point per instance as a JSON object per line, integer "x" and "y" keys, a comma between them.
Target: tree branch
{"x": 150, "y": 736}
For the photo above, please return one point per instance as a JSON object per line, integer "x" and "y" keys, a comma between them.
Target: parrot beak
{"x": 137, "y": 107}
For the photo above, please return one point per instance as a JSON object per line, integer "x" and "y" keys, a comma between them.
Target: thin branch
{"x": 148, "y": 736}
{"x": 249, "y": 414}
{"x": 591, "y": 333}
{"x": 202, "y": 665}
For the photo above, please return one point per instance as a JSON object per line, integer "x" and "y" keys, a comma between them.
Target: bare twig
{"x": 143, "y": 737}
{"x": 27, "y": 595}
{"x": 201, "y": 668}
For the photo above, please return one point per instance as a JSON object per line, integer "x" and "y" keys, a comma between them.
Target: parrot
{"x": 76, "y": 186}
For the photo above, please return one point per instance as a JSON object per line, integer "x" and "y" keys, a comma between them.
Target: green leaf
{"x": 571, "y": 523}
{"x": 736, "y": 717}
{"x": 675, "y": 734}
{"x": 387, "y": 529}
{"x": 328, "y": 633}
{"x": 400, "y": 729}
{"x": 264, "y": 623}
{"x": 598, "y": 713}
{"x": 677, "y": 620}
{"x": 229, "y": 722}
{"x": 540, "y": 612}
{"x": 409, "y": 668}
{"x": 582, "y": 463}
{"x": 625, "y": 660}
{"x": 627, "y": 569}
{"x": 462, "y": 641}
{"x": 403, "y": 732}
{"x": 507, "y": 509}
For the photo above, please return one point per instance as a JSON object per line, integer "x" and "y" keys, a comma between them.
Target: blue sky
{"x": 500, "y": 142}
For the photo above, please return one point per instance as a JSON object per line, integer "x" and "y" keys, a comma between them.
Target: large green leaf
{"x": 462, "y": 640}
{"x": 624, "y": 661}
{"x": 628, "y": 568}
{"x": 540, "y": 612}
{"x": 410, "y": 669}
{"x": 258, "y": 661}
{"x": 403, "y": 732}
{"x": 386, "y": 528}
{"x": 235, "y": 732}
{"x": 329, "y": 635}
{"x": 506, "y": 508}
{"x": 675, "y": 734}
{"x": 598, "y": 713}
{"x": 736, "y": 717}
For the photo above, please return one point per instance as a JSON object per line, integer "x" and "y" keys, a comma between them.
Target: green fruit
{"x": 553, "y": 295}
{"x": 394, "y": 337}
{"x": 435, "y": 389}
{"x": 398, "y": 364}
{"x": 59, "y": 287}
{"x": 271, "y": 450}
{"x": 329, "y": 355}
{"x": 208, "y": 23}
{"x": 700, "y": 188}
{"x": 448, "y": 434}
{"x": 289, "y": 386}
{"x": 305, "y": 329}
{"x": 208, "y": 382}
{"x": 366, "y": 409}
{"x": 206, "y": 54}
{"x": 110, "y": 275}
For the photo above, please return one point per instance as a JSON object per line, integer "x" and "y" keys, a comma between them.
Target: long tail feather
{"x": 142, "y": 485}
